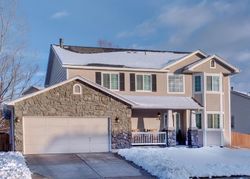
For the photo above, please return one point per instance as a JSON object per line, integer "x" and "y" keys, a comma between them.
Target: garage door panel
{"x": 65, "y": 135}
{"x": 99, "y": 148}
{"x": 35, "y": 123}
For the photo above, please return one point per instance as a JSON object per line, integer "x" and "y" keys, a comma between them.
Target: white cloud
{"x": 220, "y": 27}
{"x": 59, "y": 14}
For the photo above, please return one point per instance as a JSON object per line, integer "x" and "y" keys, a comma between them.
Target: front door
{"x": 180, "y": 140}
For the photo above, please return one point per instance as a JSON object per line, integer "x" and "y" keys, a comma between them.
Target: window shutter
{"x": 132, "y": 82}
{"x": 98, "y": 78}
{"x": 122, "y": 81}
{"x": 154, "y": 83}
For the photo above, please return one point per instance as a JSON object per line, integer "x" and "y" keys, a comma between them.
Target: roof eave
{"x": 113, "y": 68}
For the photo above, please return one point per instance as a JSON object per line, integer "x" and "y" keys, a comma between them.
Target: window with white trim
{"x": 143, "y": 82}
{"x": 197, "y": 83}
{"x": 198, "y": 120}
{"x": 77, "y": 89}
{"x": 213, "y": 83}
{"x": 176, "y": 83}
{"x": 212, "y": 64}
{"x": 213, "y": 121}
{"x": 110, "y": 80}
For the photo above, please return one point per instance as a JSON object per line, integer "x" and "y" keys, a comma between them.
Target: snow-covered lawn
{"x": 12, "y": 166}
{"x": 190, "y": 162}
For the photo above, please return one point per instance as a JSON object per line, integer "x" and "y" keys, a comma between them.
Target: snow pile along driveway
{"x": 12, "y": 166}
{"x": 190, "y": 162}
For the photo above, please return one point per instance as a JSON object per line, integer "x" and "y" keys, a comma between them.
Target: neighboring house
{"x": 240, "y": 107}
{"x": 31, "y": 89}
{"x": 99, "y": 99}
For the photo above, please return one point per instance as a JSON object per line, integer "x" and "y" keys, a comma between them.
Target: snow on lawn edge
{"x": 12, "y": 166}
{"x": 185, "y": 162}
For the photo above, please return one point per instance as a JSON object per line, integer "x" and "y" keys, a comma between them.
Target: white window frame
{"x": 201, "y": 91}
{"x": 74, "y": 87}
{"x": 202, "y": 125}
{"x": 118, "y": 81}
{"x": 220, "y": 83}
{"x": 143, "y": 74}
{"x": 172, "y": 74}
{"x": 221, "y": 123}
{"x": 211, "y": 64}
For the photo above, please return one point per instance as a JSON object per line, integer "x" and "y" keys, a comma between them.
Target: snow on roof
{"x": 163, "y": 102}
{"x": 243, "y": 94}
{"x": 135, "y": 59}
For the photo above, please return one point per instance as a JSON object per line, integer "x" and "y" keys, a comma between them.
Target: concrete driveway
{"x": 89, "y": 165}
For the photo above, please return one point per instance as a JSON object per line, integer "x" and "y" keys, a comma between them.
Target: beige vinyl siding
{"x": 213, "y": 102}
{"x": 58, "y": 73}
{"x": 184, "y": 63}
{"x": 161, "y": 77}
{"x": 205, "y": 67}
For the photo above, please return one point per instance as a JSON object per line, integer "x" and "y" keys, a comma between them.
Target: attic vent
{"x": 212, "y": 64}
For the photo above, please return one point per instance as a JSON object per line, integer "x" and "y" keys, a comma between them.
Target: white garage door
{"x": 65, "y": 135}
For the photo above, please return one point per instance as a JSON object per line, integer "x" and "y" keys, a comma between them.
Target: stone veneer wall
{"x": 61, "y": 101}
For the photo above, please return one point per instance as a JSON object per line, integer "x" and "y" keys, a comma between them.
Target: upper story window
{"x": 77, "y": 89}
{"x": 213, "y": 121}
{"x": 213, "y": 83}
{"x": 110, "y": 81}
{"x": 197, "y": 83}
{"x": 175, "y": 83}
{"x": 212, "y": 64}
{"x": 143, "y": 82}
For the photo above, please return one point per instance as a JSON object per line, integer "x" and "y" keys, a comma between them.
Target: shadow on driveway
{"x": 85, "y": 165}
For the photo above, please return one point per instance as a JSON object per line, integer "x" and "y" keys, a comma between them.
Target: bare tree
{"x": 15, "y": 74}
{"x": 106, "y": 44}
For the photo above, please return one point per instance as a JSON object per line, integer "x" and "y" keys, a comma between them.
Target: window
{"x": 175, "y": 83}
{"x": 77, "y": 89}
{"x": 213, "y": 83}
{"x": 212, "y": 64}
{"x": 143, "y": 82}
{"x": 213, "y": 121}
{"x": 197, "y": 83}
{"x": 110, "y": 81}
{"x": 198, "y": 120}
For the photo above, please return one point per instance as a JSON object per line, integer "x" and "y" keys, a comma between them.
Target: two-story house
{"x": 99, "y": 99}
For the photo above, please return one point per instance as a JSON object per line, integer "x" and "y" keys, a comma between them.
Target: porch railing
{"x": 149, "y": 138}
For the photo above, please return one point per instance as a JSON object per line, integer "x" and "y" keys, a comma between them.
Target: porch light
{"x": 117, "y": 120}
{"x": 158, "y": 116}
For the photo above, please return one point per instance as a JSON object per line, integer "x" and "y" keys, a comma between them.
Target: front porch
{"x": 165, "y": 127}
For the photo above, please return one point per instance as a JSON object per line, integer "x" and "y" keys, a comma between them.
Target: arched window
{"x": 77, "y": 89}
{"x": 212, "y": 64}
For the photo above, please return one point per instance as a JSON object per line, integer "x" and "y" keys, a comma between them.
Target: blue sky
{"x": 217, "y": 27}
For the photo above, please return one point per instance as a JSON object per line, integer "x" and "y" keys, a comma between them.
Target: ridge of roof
{"x": 128, "y": 59}
{"x": 91, "y": 49}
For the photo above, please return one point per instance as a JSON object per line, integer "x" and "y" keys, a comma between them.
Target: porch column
{"x": 193, "y": 120}
{"x": 171, "y": 133}
{"x": 193, "y": 131}
{"x": 170, "y": 125}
